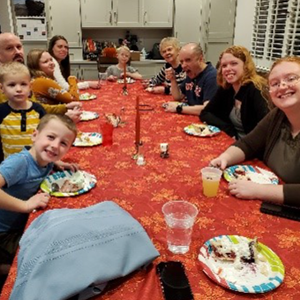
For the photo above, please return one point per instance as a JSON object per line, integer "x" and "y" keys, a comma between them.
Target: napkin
{"x": 66, "y": 252}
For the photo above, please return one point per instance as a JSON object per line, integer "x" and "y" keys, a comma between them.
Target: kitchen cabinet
{"x": 127, "y": 14}
{"x": 63, "y": 18}
{"x": 208, "y": 22}
{"x": 158, "y": 13}
{"x": 220, "y": 28}
{"x": 188, "y": 24}
{"x": 84, "y": 70}
{"x": 110, "y": 13}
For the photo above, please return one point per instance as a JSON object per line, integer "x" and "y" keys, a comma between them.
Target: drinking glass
{"x": 180, "y": 217}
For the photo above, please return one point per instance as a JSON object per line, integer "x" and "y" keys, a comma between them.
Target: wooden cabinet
{"x": 158, "y": 13}
{"x": 84, "y": 70}
{"x": 127, "y": 14}
{"x": 63, "y": 18}
{"x": 188, "y": 21}
{"x": 209, "y": 22}
{"x": 110, "y": 13}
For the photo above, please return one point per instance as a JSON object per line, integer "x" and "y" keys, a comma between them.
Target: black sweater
{"x": 253, "y": 108}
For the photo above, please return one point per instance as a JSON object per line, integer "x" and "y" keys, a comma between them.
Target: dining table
{"x": 142, "y": 190}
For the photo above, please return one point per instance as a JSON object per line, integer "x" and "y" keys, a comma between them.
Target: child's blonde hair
{"x": 68, "y": 122}
{"x": 125, "y": 48}
{"x": 13, "y": 68}
{"x": 169, "y": 41}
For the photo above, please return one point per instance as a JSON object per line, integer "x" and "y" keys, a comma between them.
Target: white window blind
{"x": 276, "y": 31}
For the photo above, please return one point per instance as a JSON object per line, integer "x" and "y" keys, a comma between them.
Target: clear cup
{"x": 180, "y": 217}
{"x": 102, "y": 78}
{"x": 210, "y": 181}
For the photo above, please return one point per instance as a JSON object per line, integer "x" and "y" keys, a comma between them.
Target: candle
{"x": 137, "y": 122}
{"x": 125, "y": 79}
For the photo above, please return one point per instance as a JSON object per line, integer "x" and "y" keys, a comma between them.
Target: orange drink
{"x": 210, "y": 180}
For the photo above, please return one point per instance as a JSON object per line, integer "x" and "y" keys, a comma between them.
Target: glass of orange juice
{"x": 210, "y": 180}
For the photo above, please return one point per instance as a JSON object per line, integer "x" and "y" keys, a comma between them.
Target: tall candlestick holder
{"x": 125, "y": 91}
{"x": 138, "y": 156}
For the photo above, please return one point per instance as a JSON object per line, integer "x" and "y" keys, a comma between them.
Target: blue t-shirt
{"x": 23, "y": 177}
{"x": 201, "y": 88}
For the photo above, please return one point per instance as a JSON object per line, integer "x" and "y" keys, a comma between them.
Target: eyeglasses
{"x": 289, "y": 81}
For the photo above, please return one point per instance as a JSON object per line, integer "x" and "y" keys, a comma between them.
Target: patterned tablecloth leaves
{"x": 266, "y": 274}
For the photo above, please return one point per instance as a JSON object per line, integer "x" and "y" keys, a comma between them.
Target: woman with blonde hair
{"x": 44, "y": 87}
{"x": 276, "y": 138}
{"x": 240, "y": 102}
{"x": 169, "y": 48}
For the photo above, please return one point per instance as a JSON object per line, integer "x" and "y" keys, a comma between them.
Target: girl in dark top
{"x": 239, "y": 103}
{"x": 277, "y": 137}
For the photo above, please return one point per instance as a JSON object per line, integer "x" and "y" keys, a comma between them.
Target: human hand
{"x": 156, "y": 90}
{"x": 170, "y": 106}
{"x": 60, "y": 165}
{"x": 74, "y": 104}
{"x": 112, "y": 78}
{"x": 219, "y": 162}
{"x": 244, "y": 189}
{"x": 94, "y": 85}
{"x": 37, "y": 201}
{"x": 74, "y": 114}
{"x": 170, "y": 74}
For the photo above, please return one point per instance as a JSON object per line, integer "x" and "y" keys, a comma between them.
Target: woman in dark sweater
{"x": 276, "y": 137}
{"x": 239, "y": 103}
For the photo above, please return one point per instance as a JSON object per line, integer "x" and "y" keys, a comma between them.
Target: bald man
{"x": 199, "y": 86}
{"x": 11, "y": 49}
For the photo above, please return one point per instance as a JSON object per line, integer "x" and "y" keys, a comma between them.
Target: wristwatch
{"x": 179, "y": 109}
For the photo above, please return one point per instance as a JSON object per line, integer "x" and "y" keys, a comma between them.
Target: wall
{"x": 244, "y": 23}
{"x": 5, "y": 16}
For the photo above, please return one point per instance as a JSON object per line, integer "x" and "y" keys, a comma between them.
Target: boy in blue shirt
{"x": 22, "y": 173}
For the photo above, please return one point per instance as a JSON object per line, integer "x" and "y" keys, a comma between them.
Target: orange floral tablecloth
{"x": 142, "y": 190}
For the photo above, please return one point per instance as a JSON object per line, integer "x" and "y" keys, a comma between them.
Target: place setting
{"x": 87, "y": 96}
{"x": 88, "y": 115}
{"x": 87, "y": 139}
{"x": 67, "y": 183}
{"x": 201, "y": 130}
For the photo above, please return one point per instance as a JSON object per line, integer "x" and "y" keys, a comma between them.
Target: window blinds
{"x": 276, "y": 31}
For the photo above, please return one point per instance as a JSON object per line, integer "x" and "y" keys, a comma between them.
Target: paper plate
{"x": 201, "y": 130}
{"x": 88, "y": 115}
{"x": 59, "y": 178}
{"x": 266, "y": 274}
{"x": 247, "y": 172}
{"x": 128, "y": 80}
{"x": 87, "y": 96}
{"x": 88, "y": 139}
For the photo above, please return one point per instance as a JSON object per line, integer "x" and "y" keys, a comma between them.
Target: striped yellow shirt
{"x": 17, "y": 126}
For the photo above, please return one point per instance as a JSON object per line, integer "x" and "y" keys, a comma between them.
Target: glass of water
{"x": 180, "y": 217}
